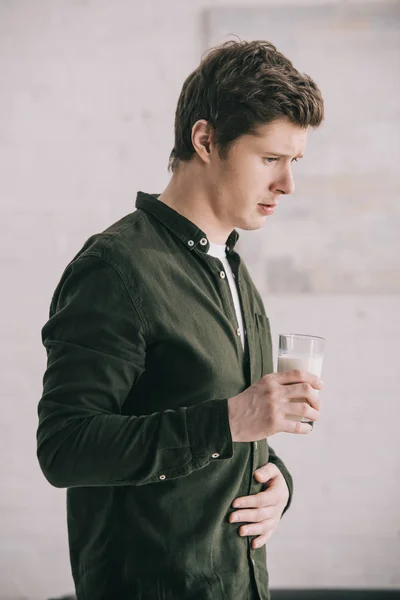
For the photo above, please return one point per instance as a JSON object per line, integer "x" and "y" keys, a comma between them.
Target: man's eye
{"x": 270, "y": 159}
{"x": 295, "y": 160}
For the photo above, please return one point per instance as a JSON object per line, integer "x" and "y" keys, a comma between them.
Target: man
{"x": 159, "y": 394}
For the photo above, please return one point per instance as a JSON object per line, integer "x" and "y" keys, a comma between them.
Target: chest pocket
{"x": 265, "y": 362}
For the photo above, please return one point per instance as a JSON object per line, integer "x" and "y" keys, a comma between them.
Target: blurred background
{"x": 88, "y": 90}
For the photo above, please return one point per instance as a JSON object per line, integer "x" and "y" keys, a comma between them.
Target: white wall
{"x": 343, "y": 529}
{"x": 87, "y": 96}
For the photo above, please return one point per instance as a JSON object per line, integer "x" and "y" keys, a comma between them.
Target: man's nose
{"x": 285, "y": 185}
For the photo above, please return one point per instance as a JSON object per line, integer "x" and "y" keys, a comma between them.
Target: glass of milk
{"x": 303, "y": 352}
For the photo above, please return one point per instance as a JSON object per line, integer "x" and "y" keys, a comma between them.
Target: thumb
{"x": 266, "y": 472}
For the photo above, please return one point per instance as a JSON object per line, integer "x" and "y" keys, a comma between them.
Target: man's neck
{"x": 186, "y": 194}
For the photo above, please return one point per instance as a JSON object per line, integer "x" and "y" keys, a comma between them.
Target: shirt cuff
{"x": 209, "y": 432}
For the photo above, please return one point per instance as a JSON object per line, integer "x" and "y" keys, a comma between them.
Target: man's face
{"x": 247, "y": 184}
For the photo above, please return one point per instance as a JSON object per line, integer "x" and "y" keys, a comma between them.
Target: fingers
{"x": 266, "y": 472}
{"x": 289, "y": 377}
{"x": 261, "y": 540}
{"x": 254, "y": 529}
{"x": 252, "y": 515}
{"x": 303, "y": 391}
{"x": 263, "y": 531}
{"x": 296, "y": 427}
{"x": 302, "y": 410}
{"x": 253, "y": 501}
{"x": 260, "y": 500}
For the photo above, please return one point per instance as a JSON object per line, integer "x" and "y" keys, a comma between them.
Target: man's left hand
{"x": 262, "y": 512}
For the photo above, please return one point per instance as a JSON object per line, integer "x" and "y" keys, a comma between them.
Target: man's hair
{"x": 238, "y": 86}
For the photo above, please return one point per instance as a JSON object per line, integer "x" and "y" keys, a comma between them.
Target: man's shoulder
{"x": 120, "y": 241}
{"x": 121, "y": 247}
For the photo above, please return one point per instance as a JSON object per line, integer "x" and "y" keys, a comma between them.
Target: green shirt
{"x": 143, "y": 352}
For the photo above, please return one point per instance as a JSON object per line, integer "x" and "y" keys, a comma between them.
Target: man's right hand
{"x": 265, "y": 407}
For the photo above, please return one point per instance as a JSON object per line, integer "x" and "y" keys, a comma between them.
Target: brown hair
{"x": 238, "y": 86}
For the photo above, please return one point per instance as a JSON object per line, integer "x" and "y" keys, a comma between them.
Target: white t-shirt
{"x": 219, "y": 251}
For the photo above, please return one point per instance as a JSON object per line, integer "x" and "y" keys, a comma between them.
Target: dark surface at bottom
{"x": 335, "y": 594}
{"x": 318, "y": 595}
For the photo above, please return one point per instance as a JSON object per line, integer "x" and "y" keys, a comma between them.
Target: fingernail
{"x": 233, "y": 518}
{"x": 237, "y": 504}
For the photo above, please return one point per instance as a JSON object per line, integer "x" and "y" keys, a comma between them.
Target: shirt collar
{"x": 191, "y": 236}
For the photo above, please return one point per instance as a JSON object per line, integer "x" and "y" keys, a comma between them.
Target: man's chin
{"x": 252, "y": 226}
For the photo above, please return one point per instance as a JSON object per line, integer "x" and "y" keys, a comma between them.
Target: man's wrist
{"x": 233, "y": 419}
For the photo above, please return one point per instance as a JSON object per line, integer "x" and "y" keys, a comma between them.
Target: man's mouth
{"x": 267, "y": 209}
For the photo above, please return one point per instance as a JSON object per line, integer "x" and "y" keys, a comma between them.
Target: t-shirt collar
{"x": 217, "y": 250}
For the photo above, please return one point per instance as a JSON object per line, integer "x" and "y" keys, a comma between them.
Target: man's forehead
{"x": 281, "y": 137}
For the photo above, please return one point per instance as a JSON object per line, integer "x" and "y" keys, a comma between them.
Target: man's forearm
{"x": 108, "y": 449}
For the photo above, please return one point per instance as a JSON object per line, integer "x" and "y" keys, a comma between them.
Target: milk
{"x": 312, "y": 363}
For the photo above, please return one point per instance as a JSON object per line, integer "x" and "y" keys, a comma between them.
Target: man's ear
{"x": 202, "y": 139}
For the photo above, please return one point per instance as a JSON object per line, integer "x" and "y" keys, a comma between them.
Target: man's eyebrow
{"x": 283, "y": 155}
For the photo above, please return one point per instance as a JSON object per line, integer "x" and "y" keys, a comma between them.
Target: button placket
{"x": 255, "y": 465}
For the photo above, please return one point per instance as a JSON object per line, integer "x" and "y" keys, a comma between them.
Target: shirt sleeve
{"x": 273, "y": 458}
{"x": 95, "y": 341}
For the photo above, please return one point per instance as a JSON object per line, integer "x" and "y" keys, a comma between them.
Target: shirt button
{"x": 215, "y": 455}
{"x": 222, "y": 274}
{"x": 162, "y": 477}
{"x": 238, "y": 331}
{"x": 203, "y": 241}
{"x": 190, "y": 243}
{"x": 255, "y": 445}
